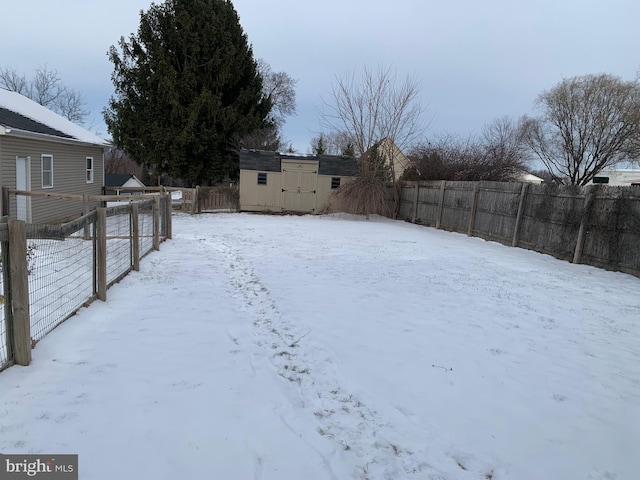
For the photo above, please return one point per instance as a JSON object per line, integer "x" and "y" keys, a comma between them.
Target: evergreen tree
{"x": 349, "y": 150}
{"x": 187, "y": 89}
{"x": 318, "y": 147}
{"x": 373, "y": 163}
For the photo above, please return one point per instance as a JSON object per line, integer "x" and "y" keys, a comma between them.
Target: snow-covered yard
{"x": 258, "y": 347}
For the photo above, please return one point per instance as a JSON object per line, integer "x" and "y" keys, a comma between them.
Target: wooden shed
{"x": 278, "y": 182}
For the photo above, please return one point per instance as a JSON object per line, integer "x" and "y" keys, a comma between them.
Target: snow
{"x": 28, "y": 108}
{"x": 330, "y": 347}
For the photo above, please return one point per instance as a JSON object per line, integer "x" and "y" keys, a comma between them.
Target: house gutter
{"x": 15, "y": 132}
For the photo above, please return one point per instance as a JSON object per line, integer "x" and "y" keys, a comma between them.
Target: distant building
{"x": 526, "y": 177}
{"x": 117, "y": 181}
{"x": 617, "y": 177}
{"x": 394, "y": 159}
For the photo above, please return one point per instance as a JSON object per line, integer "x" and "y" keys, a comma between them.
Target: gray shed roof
{"x": 272, "y": 162}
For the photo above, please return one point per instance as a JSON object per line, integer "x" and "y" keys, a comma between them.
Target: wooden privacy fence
{"x": 193, "y": 200}
{"x": 595, "y": 225}
{"x": 50, "y": 271}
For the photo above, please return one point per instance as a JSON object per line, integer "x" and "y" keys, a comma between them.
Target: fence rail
{"x": 192, "y": 200}
{"x": 50, "y": 271}
{"x": 595, "y": 225}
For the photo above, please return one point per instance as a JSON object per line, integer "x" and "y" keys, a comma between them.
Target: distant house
{"x": 394, "y": 159}
{"x": 617, "y": 177}
{"x": 117, "y": 181}
{"x": 526, "y": 177}
{"x": 42, "y": 151}
{"x": 278, "y": 182}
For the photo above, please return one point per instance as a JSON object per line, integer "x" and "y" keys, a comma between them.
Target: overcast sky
{"x": 475, "y": 60}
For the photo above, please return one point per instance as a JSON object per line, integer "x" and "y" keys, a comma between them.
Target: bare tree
{"x": 116, "y": 161}
{"x": 71, "y": 104}
{"x": 498, "y": 155}
{"x": 334, "y": 143}
{"x": 12, "y": 81}
{"x": 503, "y": 139}
{"x": 266, "y": 138}
{"x": 372, "y": 107}
{"x": 279, "y": 88}
{"x": 588, "y": 123}
{"x": 47, "y": 89}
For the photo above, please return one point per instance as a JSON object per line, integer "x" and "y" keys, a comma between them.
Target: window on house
{"x": 89, "y": 169}
{"x": 335, "y": 182}
{"x": 47, "y": 171}
{"x": 262, "y": 178}
{"x": 600, "y": 179}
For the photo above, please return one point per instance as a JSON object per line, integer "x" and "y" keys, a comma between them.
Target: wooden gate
{"x": 215, "y": 199}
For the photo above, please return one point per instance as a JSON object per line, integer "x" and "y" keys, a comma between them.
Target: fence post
{"x": 441, "y": 203}
{"x": 586, "y": 213}
{"x": 516, "y": 229}
{"x": 19, "y": 287}
{"x": 474, "y": 208}
{"x": 101, "y": 253}
{"x": 167, "y": 215}
{"x": 156, "y": 222}
{"x": 416, "y": 202}
{"x": 135, "y": 237}
{"x": 86, "y": 208}
{"x": 5, "y": 201}
{"x": 6, "y": 282}
{"x": 194, "y": 199}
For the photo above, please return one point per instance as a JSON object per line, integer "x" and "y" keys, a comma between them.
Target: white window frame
{"x": 89, "y": 176}
{"x": 50, "y": 170}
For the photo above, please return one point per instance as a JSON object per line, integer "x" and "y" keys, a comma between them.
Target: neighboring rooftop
{"x": 118, "y": 179}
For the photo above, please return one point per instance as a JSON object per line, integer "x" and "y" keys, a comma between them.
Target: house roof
{"x": 119, "y": 179}
{"x": 20, "y": 114}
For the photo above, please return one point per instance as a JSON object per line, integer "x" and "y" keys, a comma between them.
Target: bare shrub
{"x": 364, "y": 195}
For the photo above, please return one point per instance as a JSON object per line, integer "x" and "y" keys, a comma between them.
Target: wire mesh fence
{"x": 66, "y": 266}
{"x": 118, "y": 243}
{"x": 145, "y": 226}
{"x": 61, "y": 280}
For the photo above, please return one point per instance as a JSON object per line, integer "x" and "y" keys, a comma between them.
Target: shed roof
{"x": 272, "y": 162}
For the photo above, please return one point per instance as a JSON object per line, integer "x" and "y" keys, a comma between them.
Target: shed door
{"x": 299, "y": 189}
{"x": 23, "y": 203}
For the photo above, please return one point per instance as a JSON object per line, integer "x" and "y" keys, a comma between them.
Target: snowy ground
{"x": 257, "y": 347}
